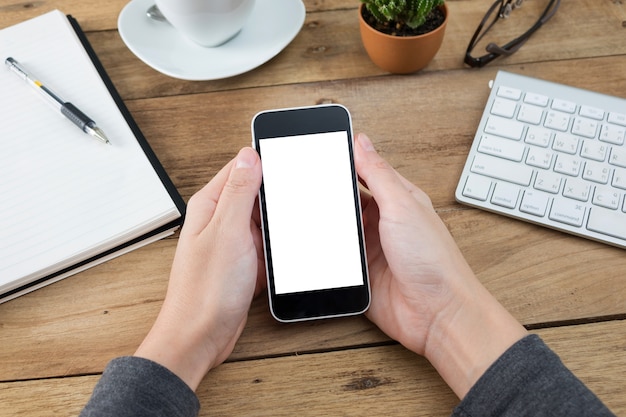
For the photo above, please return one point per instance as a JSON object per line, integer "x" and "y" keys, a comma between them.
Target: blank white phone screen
{"x": 311, "y": 212}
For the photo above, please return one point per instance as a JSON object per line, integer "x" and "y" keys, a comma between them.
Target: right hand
{"x": 424, "y": 294}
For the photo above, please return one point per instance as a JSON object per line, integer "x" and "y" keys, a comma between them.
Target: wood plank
{"x": 329, "y": 48}
{"x": 106, "y": 311}
{"x": 84, "y": 316}
{"x": 596, "y": 353}
{"x": 387, "y": 380}
{"x": 392, "y": 381}
{"x": 92, "y": 14}
{"x": 426, "y": 133}
{"x": 538, "y": 273}
{"x": 95, "y": 15}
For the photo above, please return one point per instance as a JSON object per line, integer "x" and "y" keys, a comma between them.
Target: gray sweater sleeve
{"x": 530, "y": 380}
{"x": 132, "y": 386}
{"x": 527, "y": 380}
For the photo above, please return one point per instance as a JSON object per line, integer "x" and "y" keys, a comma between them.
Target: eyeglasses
{"x": 504, "y": 9}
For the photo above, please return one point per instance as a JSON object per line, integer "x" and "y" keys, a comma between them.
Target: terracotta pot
{"x": 401, "y": 54}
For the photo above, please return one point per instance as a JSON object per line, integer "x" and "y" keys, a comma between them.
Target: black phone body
{"x": 312, "y": 226}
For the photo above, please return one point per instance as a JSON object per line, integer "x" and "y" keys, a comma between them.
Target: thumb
{"x": 379, "y": 176}
{"x": 236, "y": 200}
{"x": 390, "y": 189}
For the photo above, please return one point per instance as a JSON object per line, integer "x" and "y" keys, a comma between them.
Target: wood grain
{"x": 57, "y": 340}
{"x": 328, "y": 48}
{"x": 96, "y": 15}
{"x": 385, "y": 380}
{"x": 521, "y": 264}
{"x": 105, "y": 312}
{"x": 194, "y": 135}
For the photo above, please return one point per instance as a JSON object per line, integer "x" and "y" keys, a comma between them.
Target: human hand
{"x": 217, "y": 266}
{"x": 424, "y": 293}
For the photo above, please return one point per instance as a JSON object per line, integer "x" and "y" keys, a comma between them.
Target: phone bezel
{"x": 334, "y": 302}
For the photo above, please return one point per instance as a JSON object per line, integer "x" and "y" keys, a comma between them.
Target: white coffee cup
{"x": 207, "y": 22}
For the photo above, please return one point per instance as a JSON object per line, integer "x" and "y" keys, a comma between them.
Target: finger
{"x": 202, "y": 204}
{"x": 384, "y": 182}
{"x": 415, "y": 191}
{"x": 255, "y": 229}
{"x": 256, "y": 214}
{"x": 236, "y": 201}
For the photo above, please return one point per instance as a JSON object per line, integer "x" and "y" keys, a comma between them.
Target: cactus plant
{"x": 412, "y": 13}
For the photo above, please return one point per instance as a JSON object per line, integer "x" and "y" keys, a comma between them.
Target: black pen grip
{"x": 79, "y": 118}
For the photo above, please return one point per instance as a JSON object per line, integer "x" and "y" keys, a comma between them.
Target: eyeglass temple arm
{"x": 511, "y": 47}
{"x": 480, "y": 32}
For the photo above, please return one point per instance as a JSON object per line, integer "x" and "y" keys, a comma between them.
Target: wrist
{"x": 469, "y": 335}
{"x": 178, "y": 349}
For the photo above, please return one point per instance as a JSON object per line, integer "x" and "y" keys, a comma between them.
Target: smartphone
{"x": 311, "y": 219}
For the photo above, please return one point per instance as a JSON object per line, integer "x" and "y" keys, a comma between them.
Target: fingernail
{"x": 365, "y": 142}
{"x": 245, "y": 158}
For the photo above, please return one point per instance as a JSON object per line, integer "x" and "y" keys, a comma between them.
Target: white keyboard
{"x": 553, "y": 155}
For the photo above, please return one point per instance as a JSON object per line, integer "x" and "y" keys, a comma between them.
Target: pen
{"x": 68, "y": 110}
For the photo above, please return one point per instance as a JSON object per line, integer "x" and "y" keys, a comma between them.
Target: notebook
{"x": 67, "y": 200}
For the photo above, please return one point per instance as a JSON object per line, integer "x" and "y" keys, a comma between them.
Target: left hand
{"x": 217, "y": 269}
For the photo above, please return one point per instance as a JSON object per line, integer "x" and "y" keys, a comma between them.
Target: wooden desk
{"x": 55, "y": 342}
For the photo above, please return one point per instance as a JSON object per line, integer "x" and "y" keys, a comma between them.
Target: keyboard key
{"x": 548, "y": 181}
{"x": 565, "y": 143}
{"x": 619, "y": 178}
{"x": 568, "y": 165}
{"x": 607, "y": 222}
{"x": 564, "y": 105}
{"x": 509, "y": 92}
{"x": 505, "y": 195}
{"x": 504, "y": 127}
{"x": 593, "y": 149}
{"x": 530, "y": 114}
{"x": 538, "y": 136}
{"x": 502, "y": 169}
{"x": 536, "y": 99}
{"x": 596, "y": 172}
{"x": 613, "y": 134}
{"x": 585, "y": 127}
{"x": 503, "y": 107}
{"x": 502, "y": 148}
{"x": 567, "y": 211}
{"x": 535, "y": 203}
{"x": 577, "y": 189}
{"x": 617, "y": 118}
{"x": 557, "y": 121}
{"x": 539, "y": 157}
{"x": 591, "y": 112}
{"x": 477, "y": 187}
{"x": 618, "y": 157}
{"x": 606, "y": 197}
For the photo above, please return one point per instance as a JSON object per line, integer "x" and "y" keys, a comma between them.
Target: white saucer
{"x": 271, "y": 27}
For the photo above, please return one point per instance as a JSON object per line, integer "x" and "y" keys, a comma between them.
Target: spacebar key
{"x": 502, "y": 169}
{"x": 607, "y": 222}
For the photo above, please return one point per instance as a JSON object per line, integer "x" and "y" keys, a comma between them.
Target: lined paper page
{"x": 65, "y": 196}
